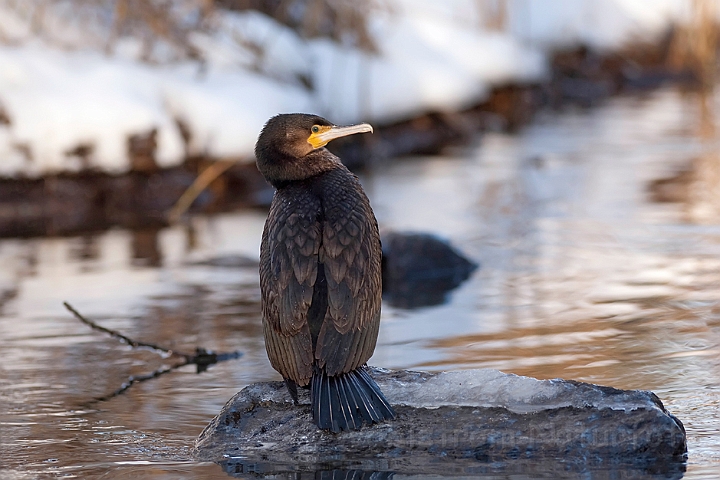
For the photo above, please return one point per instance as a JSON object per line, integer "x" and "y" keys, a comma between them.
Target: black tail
{"x": 346, "y": 401}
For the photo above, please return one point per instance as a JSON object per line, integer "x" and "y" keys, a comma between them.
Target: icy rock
{"x": 454, "y": 423}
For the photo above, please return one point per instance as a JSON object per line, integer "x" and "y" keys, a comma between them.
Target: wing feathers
{"x": 288, "y": 270}
{"x": 330, "y": 223}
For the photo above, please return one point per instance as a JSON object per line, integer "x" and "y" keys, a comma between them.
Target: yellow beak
{"x": 326, "y": 134}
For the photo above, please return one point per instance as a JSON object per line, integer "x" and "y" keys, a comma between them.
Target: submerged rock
{"x": 453, "y": 423}
{"x": 420, "y": 269}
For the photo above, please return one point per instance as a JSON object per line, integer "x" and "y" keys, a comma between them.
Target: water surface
{"x": 582, "y": 277}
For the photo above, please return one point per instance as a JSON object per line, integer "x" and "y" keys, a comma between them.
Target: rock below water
{"x": 462, "y": 423}
{"x": 420, "y": 269}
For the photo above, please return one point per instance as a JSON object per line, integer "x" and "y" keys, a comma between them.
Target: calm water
{"x": 582, "y": 277}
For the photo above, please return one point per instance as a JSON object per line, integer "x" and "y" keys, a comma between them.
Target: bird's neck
{"x": 286, "y": 170}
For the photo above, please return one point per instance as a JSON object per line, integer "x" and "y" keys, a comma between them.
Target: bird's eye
{"x": 315, "y": 129}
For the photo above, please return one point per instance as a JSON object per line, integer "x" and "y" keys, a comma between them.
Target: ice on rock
{"x": 484, "y": 388}
{"x": 492, "y": 388}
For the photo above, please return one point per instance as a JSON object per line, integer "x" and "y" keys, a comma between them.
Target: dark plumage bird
{"x": 320, "y": 272}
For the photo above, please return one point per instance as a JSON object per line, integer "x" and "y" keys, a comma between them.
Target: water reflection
{"x": 582, "y": 277}
{"x": 145, "y": 247}
{"x": 239, "y": 468}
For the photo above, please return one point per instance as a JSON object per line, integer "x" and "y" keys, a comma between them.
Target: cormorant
{"x": 320, "y": 272}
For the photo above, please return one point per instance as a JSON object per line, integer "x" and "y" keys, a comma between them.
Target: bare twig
{"x": 202, "y": 358}
{"x": 121, "y": 337}
{"x": 132, "y": 381}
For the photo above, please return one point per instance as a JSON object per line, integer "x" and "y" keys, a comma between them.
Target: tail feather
{"x": 382, "y": 405}
{"x": 352, "y": 401}
{"x": 337, "y": 417}
{"x": 346, "y": 401}
{"x": 367, "y": 407}
{"x": 347, "y": 408}
{"x": 317, "y": 399}
{"x": 326, "y": 406}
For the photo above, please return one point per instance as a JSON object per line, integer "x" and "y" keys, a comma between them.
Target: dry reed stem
{"x": 201, "y": 183}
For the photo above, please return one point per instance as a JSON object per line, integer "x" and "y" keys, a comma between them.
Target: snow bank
{"x": 431, "y": 56}
{"x": 423, "y": 64}
{"x": 58, "y": 100}
{"x": 602, "y": 24}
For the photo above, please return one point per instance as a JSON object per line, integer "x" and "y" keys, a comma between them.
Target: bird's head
{"x": 291, "y": 146}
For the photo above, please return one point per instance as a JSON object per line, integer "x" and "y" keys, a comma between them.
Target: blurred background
{"x": 546, "y": 175}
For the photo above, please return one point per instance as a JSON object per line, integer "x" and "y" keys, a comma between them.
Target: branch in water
{"x": 202, "y": 358}
{"x": 132, "y": 381}
{"x": 120, "y": 336}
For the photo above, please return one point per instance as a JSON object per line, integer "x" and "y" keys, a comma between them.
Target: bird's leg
{"x": 292, "y": 388}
